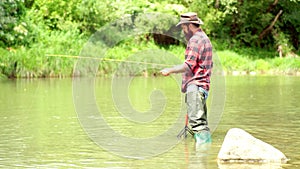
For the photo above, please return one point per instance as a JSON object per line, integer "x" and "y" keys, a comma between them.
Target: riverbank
{"x": 263, "y": 73}
{"x": 238, "y": 64}
{"x": 42, "y": 60}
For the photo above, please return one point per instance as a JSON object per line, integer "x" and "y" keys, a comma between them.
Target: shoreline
{"x": 225, "y": 73}
{"x": 262, "y": 73}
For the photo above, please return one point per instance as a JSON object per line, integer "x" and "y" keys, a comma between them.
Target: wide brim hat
{"x": 190, "y": 17}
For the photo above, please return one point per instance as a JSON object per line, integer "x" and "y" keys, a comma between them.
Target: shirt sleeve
{"x": 191, "y": 55}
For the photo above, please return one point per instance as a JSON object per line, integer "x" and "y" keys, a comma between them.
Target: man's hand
{"x": 175, "y": 69}
{"x": 165, "y": 72}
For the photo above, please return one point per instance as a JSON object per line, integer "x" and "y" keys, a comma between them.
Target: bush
{"x": 232, "y": 61}
{"x": 262, "y": 65}
{"x": 13, "y": 30}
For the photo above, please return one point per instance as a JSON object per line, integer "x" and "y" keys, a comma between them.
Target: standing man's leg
{"x": 197, "y": 113}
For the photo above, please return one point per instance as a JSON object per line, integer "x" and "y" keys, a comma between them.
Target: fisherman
{"x": 196, "y": 72}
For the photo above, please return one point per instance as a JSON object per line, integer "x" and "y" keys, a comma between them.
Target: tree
{"x": 13, "y": 30}
{"x": 251, "y": 23}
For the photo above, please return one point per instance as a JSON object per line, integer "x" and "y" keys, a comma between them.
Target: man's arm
{"x": 176, "y": 69}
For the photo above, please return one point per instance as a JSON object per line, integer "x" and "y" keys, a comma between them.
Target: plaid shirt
{"x": 198, "y": 62}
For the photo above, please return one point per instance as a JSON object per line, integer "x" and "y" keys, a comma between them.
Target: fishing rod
{"x": 107, "y": 59}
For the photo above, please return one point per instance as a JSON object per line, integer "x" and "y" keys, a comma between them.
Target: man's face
{"x": 185, "y": 28}
{"x": 187, "y": 31}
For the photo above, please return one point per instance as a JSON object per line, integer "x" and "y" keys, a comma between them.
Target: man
{"x": 196, "y": 75}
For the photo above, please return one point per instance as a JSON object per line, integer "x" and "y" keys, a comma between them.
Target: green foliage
{"x": 37, "y": 60}
{"x": 55, "y": 14}
{"x": 128, "y": 56}
{"x": 290, "y": 21}
{"x": 251, "y": 53}
{"x": 286, "y": 65}
{"x": 262, "y": 65}
{"x": 231, "y": 61}
{"x": 6, "y": 63}
{"x": 283, "y": 43}
{"x": 31, "y": 29}
{"x": 158, "y": 23}
{"x": 242, "y": 22}
{"x": 233, "y": 21}
{"x": 13, "y": 30}
{"x": 93, "y": 14}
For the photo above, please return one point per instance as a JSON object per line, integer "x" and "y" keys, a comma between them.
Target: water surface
{"x": 40, "y": 127}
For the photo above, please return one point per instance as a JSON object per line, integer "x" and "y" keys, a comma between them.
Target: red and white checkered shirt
{"x": 198, "y": 62}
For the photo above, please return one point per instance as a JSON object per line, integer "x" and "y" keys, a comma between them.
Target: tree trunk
{"x": 271, "y": 6}
{"x": 217, "y": 4}
{"x": 269, "y": 28}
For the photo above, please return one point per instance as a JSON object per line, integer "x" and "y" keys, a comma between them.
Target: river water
{"x": 46, "y": 123}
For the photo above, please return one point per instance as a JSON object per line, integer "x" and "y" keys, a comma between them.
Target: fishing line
{"x": 107, "y": 59}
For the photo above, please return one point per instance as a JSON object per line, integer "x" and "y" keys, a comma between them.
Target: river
{"x": 46, "y": 123}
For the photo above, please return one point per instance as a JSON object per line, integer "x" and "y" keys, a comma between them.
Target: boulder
{"x": 240, "y": 146}
{"x": 249, "y": 166}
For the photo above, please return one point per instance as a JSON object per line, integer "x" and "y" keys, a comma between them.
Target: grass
{"x": 33, "y": 61}
{"x": 233, "y": 62}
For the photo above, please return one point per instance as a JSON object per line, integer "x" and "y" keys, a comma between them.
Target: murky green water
{"x": 40, "y": 127}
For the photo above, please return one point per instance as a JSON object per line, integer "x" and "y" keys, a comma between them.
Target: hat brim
{"x": 196, "y": 22}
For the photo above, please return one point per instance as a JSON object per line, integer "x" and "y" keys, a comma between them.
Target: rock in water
{"x": 240, "y": 146}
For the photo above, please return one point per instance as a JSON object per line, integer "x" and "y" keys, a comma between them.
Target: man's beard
{"x": 188, "y": 35}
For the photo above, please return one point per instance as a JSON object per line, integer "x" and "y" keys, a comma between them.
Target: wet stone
{"x": 241, "y": 147}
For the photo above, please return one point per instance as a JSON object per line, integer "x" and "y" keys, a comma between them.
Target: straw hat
{"x": 190, "y": 17}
